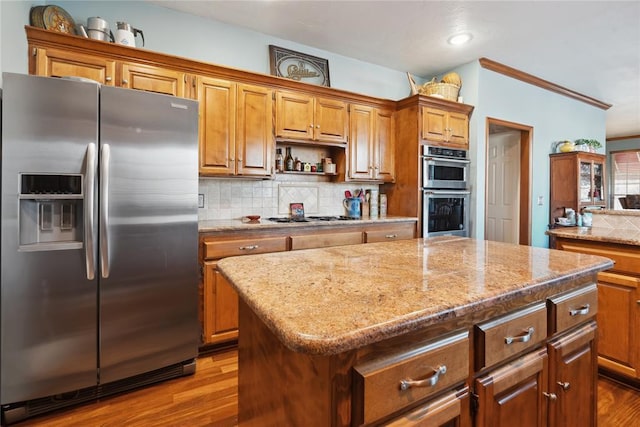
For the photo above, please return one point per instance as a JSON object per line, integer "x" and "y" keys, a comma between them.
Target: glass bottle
{"x": 279, "y": 160}
{"x": 288, "y": 162}
{"x": 298, "y": 165}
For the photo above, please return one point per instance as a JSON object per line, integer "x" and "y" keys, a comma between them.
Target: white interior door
{"x": 503, "y": 187}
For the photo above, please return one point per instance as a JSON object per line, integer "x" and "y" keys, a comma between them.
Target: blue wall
{"x": 553, "y": 118}
{"x": 180, "y": 34}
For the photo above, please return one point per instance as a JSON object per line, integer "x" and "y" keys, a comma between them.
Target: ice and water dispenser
{"x": 51, "y": 209}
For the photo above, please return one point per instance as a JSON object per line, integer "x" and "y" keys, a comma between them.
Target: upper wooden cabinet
{"x": 153, "y": 79}
{"x": 51, "y": 62}
{"x": 236, "y": 131}
{"x": 304, "y": 117}
{"x": 577, "y": 181}
{"x": 371, "y": 147}
{"x": 446, "y": 128}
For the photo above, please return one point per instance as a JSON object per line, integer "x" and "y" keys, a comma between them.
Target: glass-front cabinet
{"x": 591, "y": 180}
{"x": 577, "y": 181}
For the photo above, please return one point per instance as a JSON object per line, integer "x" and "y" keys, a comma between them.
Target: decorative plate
{"x": 57, "y": 19}
{"x": 35, "y": 16}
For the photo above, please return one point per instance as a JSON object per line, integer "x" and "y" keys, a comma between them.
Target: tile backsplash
{"x": 236, "y": 198}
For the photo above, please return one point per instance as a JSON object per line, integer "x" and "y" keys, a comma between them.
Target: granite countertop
{"x": 264, "y": 224}
{"x": 599, "y": 234}
{"x": 327, "y": 301}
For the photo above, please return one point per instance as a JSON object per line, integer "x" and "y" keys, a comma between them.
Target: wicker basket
{"x": 441, "y": 90}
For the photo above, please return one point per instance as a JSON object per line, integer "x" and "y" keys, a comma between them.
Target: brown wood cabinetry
{"x": 445, "y": 128}
{"x": 236, "y": 131}
{"x": 514, "y": 392}
{"x": 405, "y": 196}
{"x": 577, "y": 181}
{"x": 618, "y": 305}
{"x": 305, "y": 117}
{"x": 52, "y": 62}
{"x": 371, "y": 144}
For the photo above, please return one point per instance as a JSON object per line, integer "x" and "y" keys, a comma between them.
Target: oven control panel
{"x": 450, "y": 153}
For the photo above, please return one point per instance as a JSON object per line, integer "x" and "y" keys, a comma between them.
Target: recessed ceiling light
{"x": 460, "y": 39}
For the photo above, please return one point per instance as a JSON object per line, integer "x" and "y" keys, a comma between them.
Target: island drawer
{"x": 506, "y": 336}
{"x": 441, "y": 411}
{"x": 572, "y": 308}
{"x": 387, "y": 384}
{"x": 309, "y": 241}
{"x": 216, "y": 249}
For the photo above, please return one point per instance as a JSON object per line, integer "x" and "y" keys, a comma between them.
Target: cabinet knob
{"x": 311, "y": 125}
{"x": 317, "y": 126}
{"x": 125, "y": 81}
{"x": 551, "y": 396}
{"x": 564, "y": 385}
{"x": 107, "y": 79}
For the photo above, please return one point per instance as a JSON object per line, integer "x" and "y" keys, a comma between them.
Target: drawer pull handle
{"x": 520, "y": 338}
{"x": 582, "y": 310}
{"x": 429, "y": 382}
{"x": 248, "y": 248}
{"x": 564, "y": 385}
{"x": 551, "y": 396}
{"x": 391, "y": 236}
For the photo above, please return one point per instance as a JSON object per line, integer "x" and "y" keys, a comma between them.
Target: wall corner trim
{"x": 544, "y": 84}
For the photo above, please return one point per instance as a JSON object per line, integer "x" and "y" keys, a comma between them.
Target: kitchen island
{"x": 402, "y": 330}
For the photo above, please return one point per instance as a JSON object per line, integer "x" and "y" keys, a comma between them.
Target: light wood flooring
{"x": 209, "y": 398}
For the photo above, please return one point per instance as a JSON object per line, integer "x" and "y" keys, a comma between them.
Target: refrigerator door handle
{"x": 105, "y": 158}
{"x": 90, "y": 179}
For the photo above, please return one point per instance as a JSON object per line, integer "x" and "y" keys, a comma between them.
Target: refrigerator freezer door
{"x": 48, "y": 306}
{"x": 148, "y": 239}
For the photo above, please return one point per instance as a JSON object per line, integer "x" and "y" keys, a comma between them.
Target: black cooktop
{"x": 311, "y": 218}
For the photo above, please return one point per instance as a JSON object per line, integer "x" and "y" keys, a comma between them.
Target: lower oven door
{"x": 445, "y": 213}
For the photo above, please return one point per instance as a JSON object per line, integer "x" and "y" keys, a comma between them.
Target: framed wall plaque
{"x": 298, "y": 66}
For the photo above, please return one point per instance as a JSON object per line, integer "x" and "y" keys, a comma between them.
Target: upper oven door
{"x": 444, "y": 173}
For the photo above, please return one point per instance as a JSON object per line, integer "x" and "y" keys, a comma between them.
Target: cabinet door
{"x": 434, "y": 124}
{"x": 458, "y": 129}
{"x": 254, "y": 132}
{"x": 618, "y": 323}
{"x": 152, "y": 79}
{"x": 360, "y": 149}
{"x": 294, "y": 115}
{"x": 384, "y": 167}
{"x": 217, "y": 126}
{"x": 330, "y": 120}
{"x": 220, "y": 307}
{"x": 513, "y": 394}
{"x": 60, "y": 63}
{"x": 573, "y": 376}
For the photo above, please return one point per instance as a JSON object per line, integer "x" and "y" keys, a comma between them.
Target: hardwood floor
{"x": 209, "y": 398}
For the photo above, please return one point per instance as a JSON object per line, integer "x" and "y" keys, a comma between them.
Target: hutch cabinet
{"x": 577, "y": 181}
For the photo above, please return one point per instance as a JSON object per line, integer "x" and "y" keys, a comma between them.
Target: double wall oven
{"x": 445, "y": 192}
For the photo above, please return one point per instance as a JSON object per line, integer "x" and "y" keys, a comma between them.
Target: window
{"x": 626, "y": 174}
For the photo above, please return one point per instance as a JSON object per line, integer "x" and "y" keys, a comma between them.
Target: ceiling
{"x": 590, "y": 47}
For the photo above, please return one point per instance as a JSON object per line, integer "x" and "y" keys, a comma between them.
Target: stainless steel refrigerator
{"x": 99, "y": 268}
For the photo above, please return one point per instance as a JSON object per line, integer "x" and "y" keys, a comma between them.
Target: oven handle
{"x": 429, "y": 191}
{"x": 433, "y": 160}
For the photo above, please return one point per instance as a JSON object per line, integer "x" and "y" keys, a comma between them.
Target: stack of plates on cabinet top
{"x": 52, "y": 18}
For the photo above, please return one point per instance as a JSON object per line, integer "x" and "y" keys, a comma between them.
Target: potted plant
{"x": 592, "y": 144}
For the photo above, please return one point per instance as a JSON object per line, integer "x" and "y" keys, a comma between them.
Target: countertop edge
{"x": 408, "y": 323}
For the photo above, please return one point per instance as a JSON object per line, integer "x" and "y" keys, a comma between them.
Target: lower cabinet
{"x": 618, "y": 305}
{"x": 221, "y": 303}
{"x": 513, "y": 394}
{"x": 573, "y": 376}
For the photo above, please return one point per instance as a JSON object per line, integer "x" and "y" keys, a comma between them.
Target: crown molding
{"x": 544, "y": 84}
